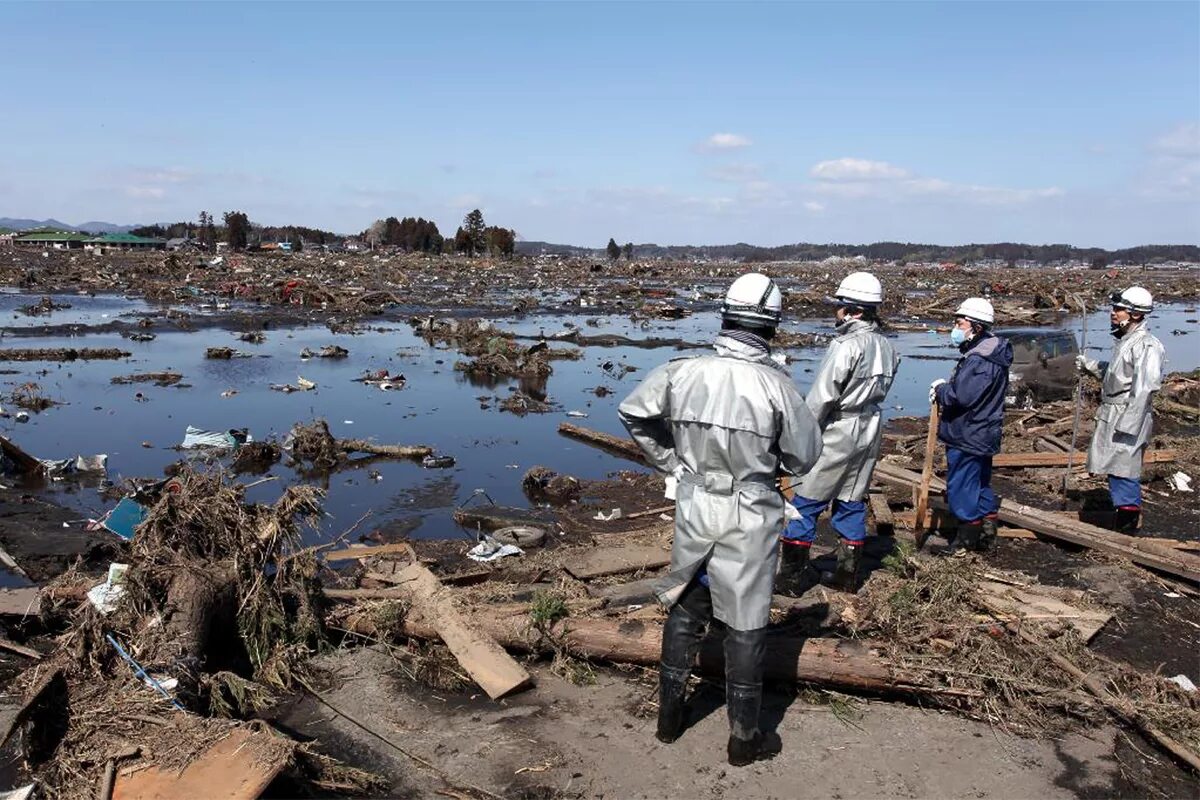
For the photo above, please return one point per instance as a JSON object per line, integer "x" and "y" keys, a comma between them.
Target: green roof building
{"x": 126, "y": 241}
{"x": 51, "y": 240}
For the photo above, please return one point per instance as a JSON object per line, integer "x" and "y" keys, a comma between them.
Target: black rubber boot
{"x": 793, "y": 563}
{"x": 744, "y": 652}
{"x": 987, "y": 538}
{"x": 845, "y": 576}
{"x": 967, "y": 539}
{"x": 1127, "y": 520}
{"x": 681, "y": 639}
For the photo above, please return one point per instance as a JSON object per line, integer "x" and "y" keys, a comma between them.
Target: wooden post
{"x": 919, "y": 529}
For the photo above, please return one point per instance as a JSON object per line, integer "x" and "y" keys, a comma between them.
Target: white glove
{"x": 672, "y": 482}
{"x": 933, "y": 390}
{"x": 1086, "y": 365}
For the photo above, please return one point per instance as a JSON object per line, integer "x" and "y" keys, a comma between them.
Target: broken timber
{"x": 493, "y": 669}
{"x": 1051, "y": 524}
{"x": 615, "y": 444}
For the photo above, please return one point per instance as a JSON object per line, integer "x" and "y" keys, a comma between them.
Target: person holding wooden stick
{"x": 1125, "y": 419}
{"x": 724, "y": 426}
{"x": 972, "y": 419}
{"x": 851, "y": 383}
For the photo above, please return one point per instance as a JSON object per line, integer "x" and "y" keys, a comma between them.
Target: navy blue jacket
{"x": 972, "y": 403}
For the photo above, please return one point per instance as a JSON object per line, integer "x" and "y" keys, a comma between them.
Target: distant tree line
{"x": 238, "y": 232}
{"x": 1007, "y": 252}
{"x": 412, "y": 234}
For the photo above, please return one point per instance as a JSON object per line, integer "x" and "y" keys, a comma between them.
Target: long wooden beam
{"x": 1055, "y": 526}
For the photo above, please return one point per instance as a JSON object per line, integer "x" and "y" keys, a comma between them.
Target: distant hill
{"x": 885, "y": 251}
{"x": 88, "y": 227}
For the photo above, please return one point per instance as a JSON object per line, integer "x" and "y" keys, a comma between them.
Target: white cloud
{"x": 146, "y": 192}
{"x": 814, "y": 206}
{"x": 860, "y": 178}
{"x": 856, "y": 169}
{"x": 725, "y": 141}
{"x": 1182, "y": 141}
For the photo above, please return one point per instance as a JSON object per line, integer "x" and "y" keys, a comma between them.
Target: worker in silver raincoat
{"x": 1125, "y": 420}
{"x": 723, "y": 426}
{"x": 851, "y": 383}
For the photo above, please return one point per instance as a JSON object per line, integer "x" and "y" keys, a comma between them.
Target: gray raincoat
{"x": 853, "y": 379}
{"x": 1125, "y": 421}
{"x": 724, "y": 424}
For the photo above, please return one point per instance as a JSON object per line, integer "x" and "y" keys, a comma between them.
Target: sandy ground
{"x": 562, "y": 740}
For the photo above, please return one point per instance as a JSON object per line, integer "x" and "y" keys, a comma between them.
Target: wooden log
{"x": 836, "y": 663}
{"x": 1052, "y": 525}
{"x": 486, "y": 662}
{"x": 596, "y": 562}
{"x": 1060, "y": 459}
{"x": 625, "y": 594}
{"x": 390, "y": 450}
{"x": 614, "y": 444}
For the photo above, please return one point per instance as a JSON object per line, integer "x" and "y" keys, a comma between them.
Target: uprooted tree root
{"x": 928, "y": 616}
{"x": 219, "y": 597}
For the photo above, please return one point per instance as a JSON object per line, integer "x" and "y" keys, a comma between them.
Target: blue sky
{"x": 572, "y": 122}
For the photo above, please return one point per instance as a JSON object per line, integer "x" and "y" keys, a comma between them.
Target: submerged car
{"x": 1043, "y": 367}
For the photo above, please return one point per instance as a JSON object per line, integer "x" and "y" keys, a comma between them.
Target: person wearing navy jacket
{"x": 972, "y": 418}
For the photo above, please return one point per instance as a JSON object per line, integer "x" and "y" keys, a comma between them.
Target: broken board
{"x": 488, "y": 665}
{"x": 355, "y": 553}
{"x": 21, "y": 602}
{"x": 600, "y": 561}
{"x": 239, "y": 767}
{"x": 1040, "y": 604}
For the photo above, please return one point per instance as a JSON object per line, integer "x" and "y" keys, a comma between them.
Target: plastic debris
{"x": 577, "y": 414}
{"x": 489, "y": 549}
{"x": 437, "y": 462}
{"x": 225, "y": 440}
{"x": 305, "y": 383}
{"x": 1183, "y": 682}
{"x": 1180, "y": 482}
{"x": 609, "y": 517}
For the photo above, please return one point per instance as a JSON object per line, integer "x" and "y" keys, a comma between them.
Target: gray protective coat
{"x": 853, "y": 379}
{"x": 1125, "y": 420}
{"x": 725, "y": 424}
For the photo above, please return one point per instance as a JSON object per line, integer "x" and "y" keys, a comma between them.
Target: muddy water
{"x": 438, "y": 406}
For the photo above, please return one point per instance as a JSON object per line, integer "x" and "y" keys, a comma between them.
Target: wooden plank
{"x": 596, "y": 562}
{"x": 355, "y": 553}
{"x": 1040, "y": 603}
{"x": 1060, "y": 459}
{"x": 21, "y": 602}
{"x": 1016, "y": 533}
{"x": 20, "y": 649}
{"x": 493, "y": 669}
{"x": 926, "y": 475}
{"x": 238, "y": 767}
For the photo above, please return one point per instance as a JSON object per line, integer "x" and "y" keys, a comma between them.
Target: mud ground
{"x": 562, "y": 740}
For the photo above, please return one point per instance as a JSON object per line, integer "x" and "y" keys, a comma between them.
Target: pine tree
{"x": 614, "y": 250}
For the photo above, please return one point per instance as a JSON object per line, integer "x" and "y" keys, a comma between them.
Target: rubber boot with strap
{"x": 845, "y": 575}
{"x": 793, "y": 563}
{"x": 744, "y": 653}
{"x": 967, "y": 539}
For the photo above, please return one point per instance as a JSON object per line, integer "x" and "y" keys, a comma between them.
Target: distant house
{"x": 183, "y": 243}
{"x": 51, "y": 240}
{"x": 125, "y": 241}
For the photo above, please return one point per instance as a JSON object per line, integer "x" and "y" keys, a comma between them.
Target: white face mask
{"x": 958, "y": 336}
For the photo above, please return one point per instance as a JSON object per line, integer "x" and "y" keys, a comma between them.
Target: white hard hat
{"x": 1135, "y": 298}
{"x": 862, "y": 288}
{"x": 976, "y": 309}
{"x": 753, "y": 300}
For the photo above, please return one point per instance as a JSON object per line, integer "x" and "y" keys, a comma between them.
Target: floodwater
{"x": 438, "y": 406}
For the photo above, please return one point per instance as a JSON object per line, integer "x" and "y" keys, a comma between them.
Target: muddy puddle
{"x": 140, "y": 425}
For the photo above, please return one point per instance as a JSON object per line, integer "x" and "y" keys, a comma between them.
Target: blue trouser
{"x": 1125, "y": 492}
{"x": 969, "y": 485}
{"x": 849, "y": 520}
